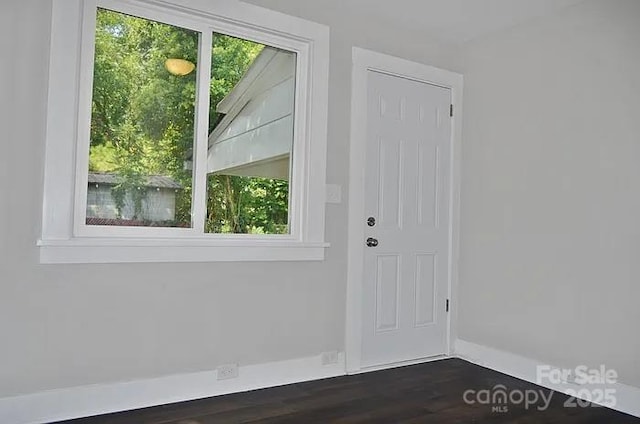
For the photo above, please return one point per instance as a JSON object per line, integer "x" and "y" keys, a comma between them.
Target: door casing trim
{"x": 364, "y": 61}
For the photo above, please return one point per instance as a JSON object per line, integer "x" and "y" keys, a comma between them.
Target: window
{"x": 183, "y": 134}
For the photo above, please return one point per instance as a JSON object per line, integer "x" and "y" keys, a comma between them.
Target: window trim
{"x": 65, "y": 236}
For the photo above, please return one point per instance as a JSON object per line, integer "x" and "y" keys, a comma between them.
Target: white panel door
{"x": 407, "y": 196}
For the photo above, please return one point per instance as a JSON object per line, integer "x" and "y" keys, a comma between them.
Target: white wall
{"x": 68, "y": 325}
{"x": 550, "y": 255}
{"x": 550, "y": 207}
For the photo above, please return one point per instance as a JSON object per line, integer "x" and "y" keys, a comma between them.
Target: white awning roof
{"x": 255, "y": 136}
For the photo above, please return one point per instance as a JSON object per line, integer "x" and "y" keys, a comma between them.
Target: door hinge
{"x": 451, "y": 110}
{"x": 447, "y": 305}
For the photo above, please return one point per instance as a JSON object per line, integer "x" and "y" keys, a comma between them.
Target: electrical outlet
{"x": 329, "y": 358}
{"x": 227, "y": 371}
{"x": 333, "y": 193}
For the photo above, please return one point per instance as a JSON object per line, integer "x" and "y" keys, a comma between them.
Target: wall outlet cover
{"x": 333, "y": 193}
{"x": 329, "y": 358}
{"x": 227, "y": 371}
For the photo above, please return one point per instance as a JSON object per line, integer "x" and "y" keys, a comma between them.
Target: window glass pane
{"x": 142, "y": 123}
{"x": 250, "y": 137}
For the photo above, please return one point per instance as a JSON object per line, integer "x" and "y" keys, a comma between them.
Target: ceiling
{"x": 455, "y": 21}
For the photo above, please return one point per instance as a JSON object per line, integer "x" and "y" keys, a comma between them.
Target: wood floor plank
{"x": 426, "y": 393}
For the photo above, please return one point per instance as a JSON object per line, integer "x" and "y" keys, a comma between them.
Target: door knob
{"x": 371, "y": 242}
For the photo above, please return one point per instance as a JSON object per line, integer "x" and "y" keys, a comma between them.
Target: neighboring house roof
{"x": 155, "y": 181}
{"x": 92, "y": 220}
{"x": 117, "y": 222}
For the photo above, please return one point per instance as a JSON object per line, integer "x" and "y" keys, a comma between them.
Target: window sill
{"x": 96, "y": 250}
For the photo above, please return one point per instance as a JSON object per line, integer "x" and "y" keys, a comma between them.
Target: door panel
{"x": 390, "y": 183}
{"x": 427, "y": 190}
{"x": 425, "y": 289}
{"x": 387, "y": 288}
{"x": 406, "y": 190}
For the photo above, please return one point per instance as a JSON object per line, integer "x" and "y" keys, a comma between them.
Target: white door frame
{"x": 363, "y": 61}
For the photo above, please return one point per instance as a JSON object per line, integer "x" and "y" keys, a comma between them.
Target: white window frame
{"x": 65, "y": 236}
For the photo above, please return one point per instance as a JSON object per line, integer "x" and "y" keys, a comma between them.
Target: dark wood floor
{"x": 426, "y": 393}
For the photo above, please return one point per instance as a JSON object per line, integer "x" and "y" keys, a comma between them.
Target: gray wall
{"x": 67, "y": 325}
{"x": 550, "y": 258}
{"x": 550, "y": 207}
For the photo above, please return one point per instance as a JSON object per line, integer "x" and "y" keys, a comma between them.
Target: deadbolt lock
{"x": 371, "y": 242}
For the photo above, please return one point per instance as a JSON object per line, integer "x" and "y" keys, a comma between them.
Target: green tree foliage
{"x": 231, "y": 59}
{"x": 143, "y": 121}
{"x": 142, "y": 116}
{"x": 247, "y": 205}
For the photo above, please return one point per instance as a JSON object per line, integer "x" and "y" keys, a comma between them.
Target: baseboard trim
{"x": 627, "y": 397}
{"x": 373, "y": 368}
{"x": 84, "y": 401}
